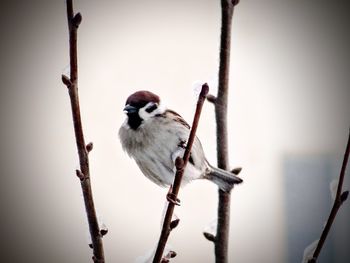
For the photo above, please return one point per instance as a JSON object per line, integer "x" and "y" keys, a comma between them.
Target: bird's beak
{"x": 130, "y": 109}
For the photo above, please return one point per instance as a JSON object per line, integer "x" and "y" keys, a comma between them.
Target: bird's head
{"x": 141, "y": 106}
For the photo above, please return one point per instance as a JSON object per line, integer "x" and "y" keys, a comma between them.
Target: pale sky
{"x": 289, "y": 94}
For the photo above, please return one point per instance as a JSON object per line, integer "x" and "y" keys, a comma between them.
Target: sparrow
{"x": 155, "y": 136}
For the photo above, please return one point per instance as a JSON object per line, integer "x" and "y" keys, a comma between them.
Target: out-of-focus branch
{"x": 338, "y": 201}
{"x": 83, "y": 174}
{"x": 220, "y": 101}
{"x": 180, "y": 164}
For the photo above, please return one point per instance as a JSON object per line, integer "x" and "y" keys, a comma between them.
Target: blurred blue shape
{"x": 308, "y": 204}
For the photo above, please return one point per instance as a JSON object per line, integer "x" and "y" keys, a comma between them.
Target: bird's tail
{"x": 223, "y": 179}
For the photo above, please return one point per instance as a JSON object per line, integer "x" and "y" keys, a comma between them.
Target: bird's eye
{"x": 152, "y": 108}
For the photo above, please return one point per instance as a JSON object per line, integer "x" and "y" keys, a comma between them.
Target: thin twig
{"x": 223, "y": 225}
{"x": 338, "y": 201}
{"x": 83, "y": 149}
{"x": 180, "y": 167}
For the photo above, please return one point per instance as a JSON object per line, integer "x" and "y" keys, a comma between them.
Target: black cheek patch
{"x": 152, "y": 108}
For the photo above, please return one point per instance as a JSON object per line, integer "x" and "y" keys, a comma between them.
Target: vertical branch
{"x": 83, "y": 149}
{"x": 180, "y": 164}
{"x": 338, "y": 201}
{"x": 223, "y": 226}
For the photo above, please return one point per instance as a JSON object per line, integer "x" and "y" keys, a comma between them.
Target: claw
{"x": 182, "y": 144}
{"x": 171, "y": 197}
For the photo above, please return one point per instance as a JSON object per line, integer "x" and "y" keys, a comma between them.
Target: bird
{"x": 154, "y": 136}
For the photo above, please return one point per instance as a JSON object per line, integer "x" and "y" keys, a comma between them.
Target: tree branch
{"x": 180, "y": 164}
{"x": 83, "y": 149}
{"x": 338, "y": 201}
{"x": 220, "y": 102}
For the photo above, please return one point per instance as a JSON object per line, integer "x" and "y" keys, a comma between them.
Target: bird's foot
{"x": 182, "y": 144}
{"x": 172, "y": 197}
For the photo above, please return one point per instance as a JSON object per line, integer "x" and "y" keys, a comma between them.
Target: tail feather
{"x": 223, "y": 179}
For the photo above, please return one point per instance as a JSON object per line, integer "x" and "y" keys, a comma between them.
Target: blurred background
{"x": 289, "y": 119}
